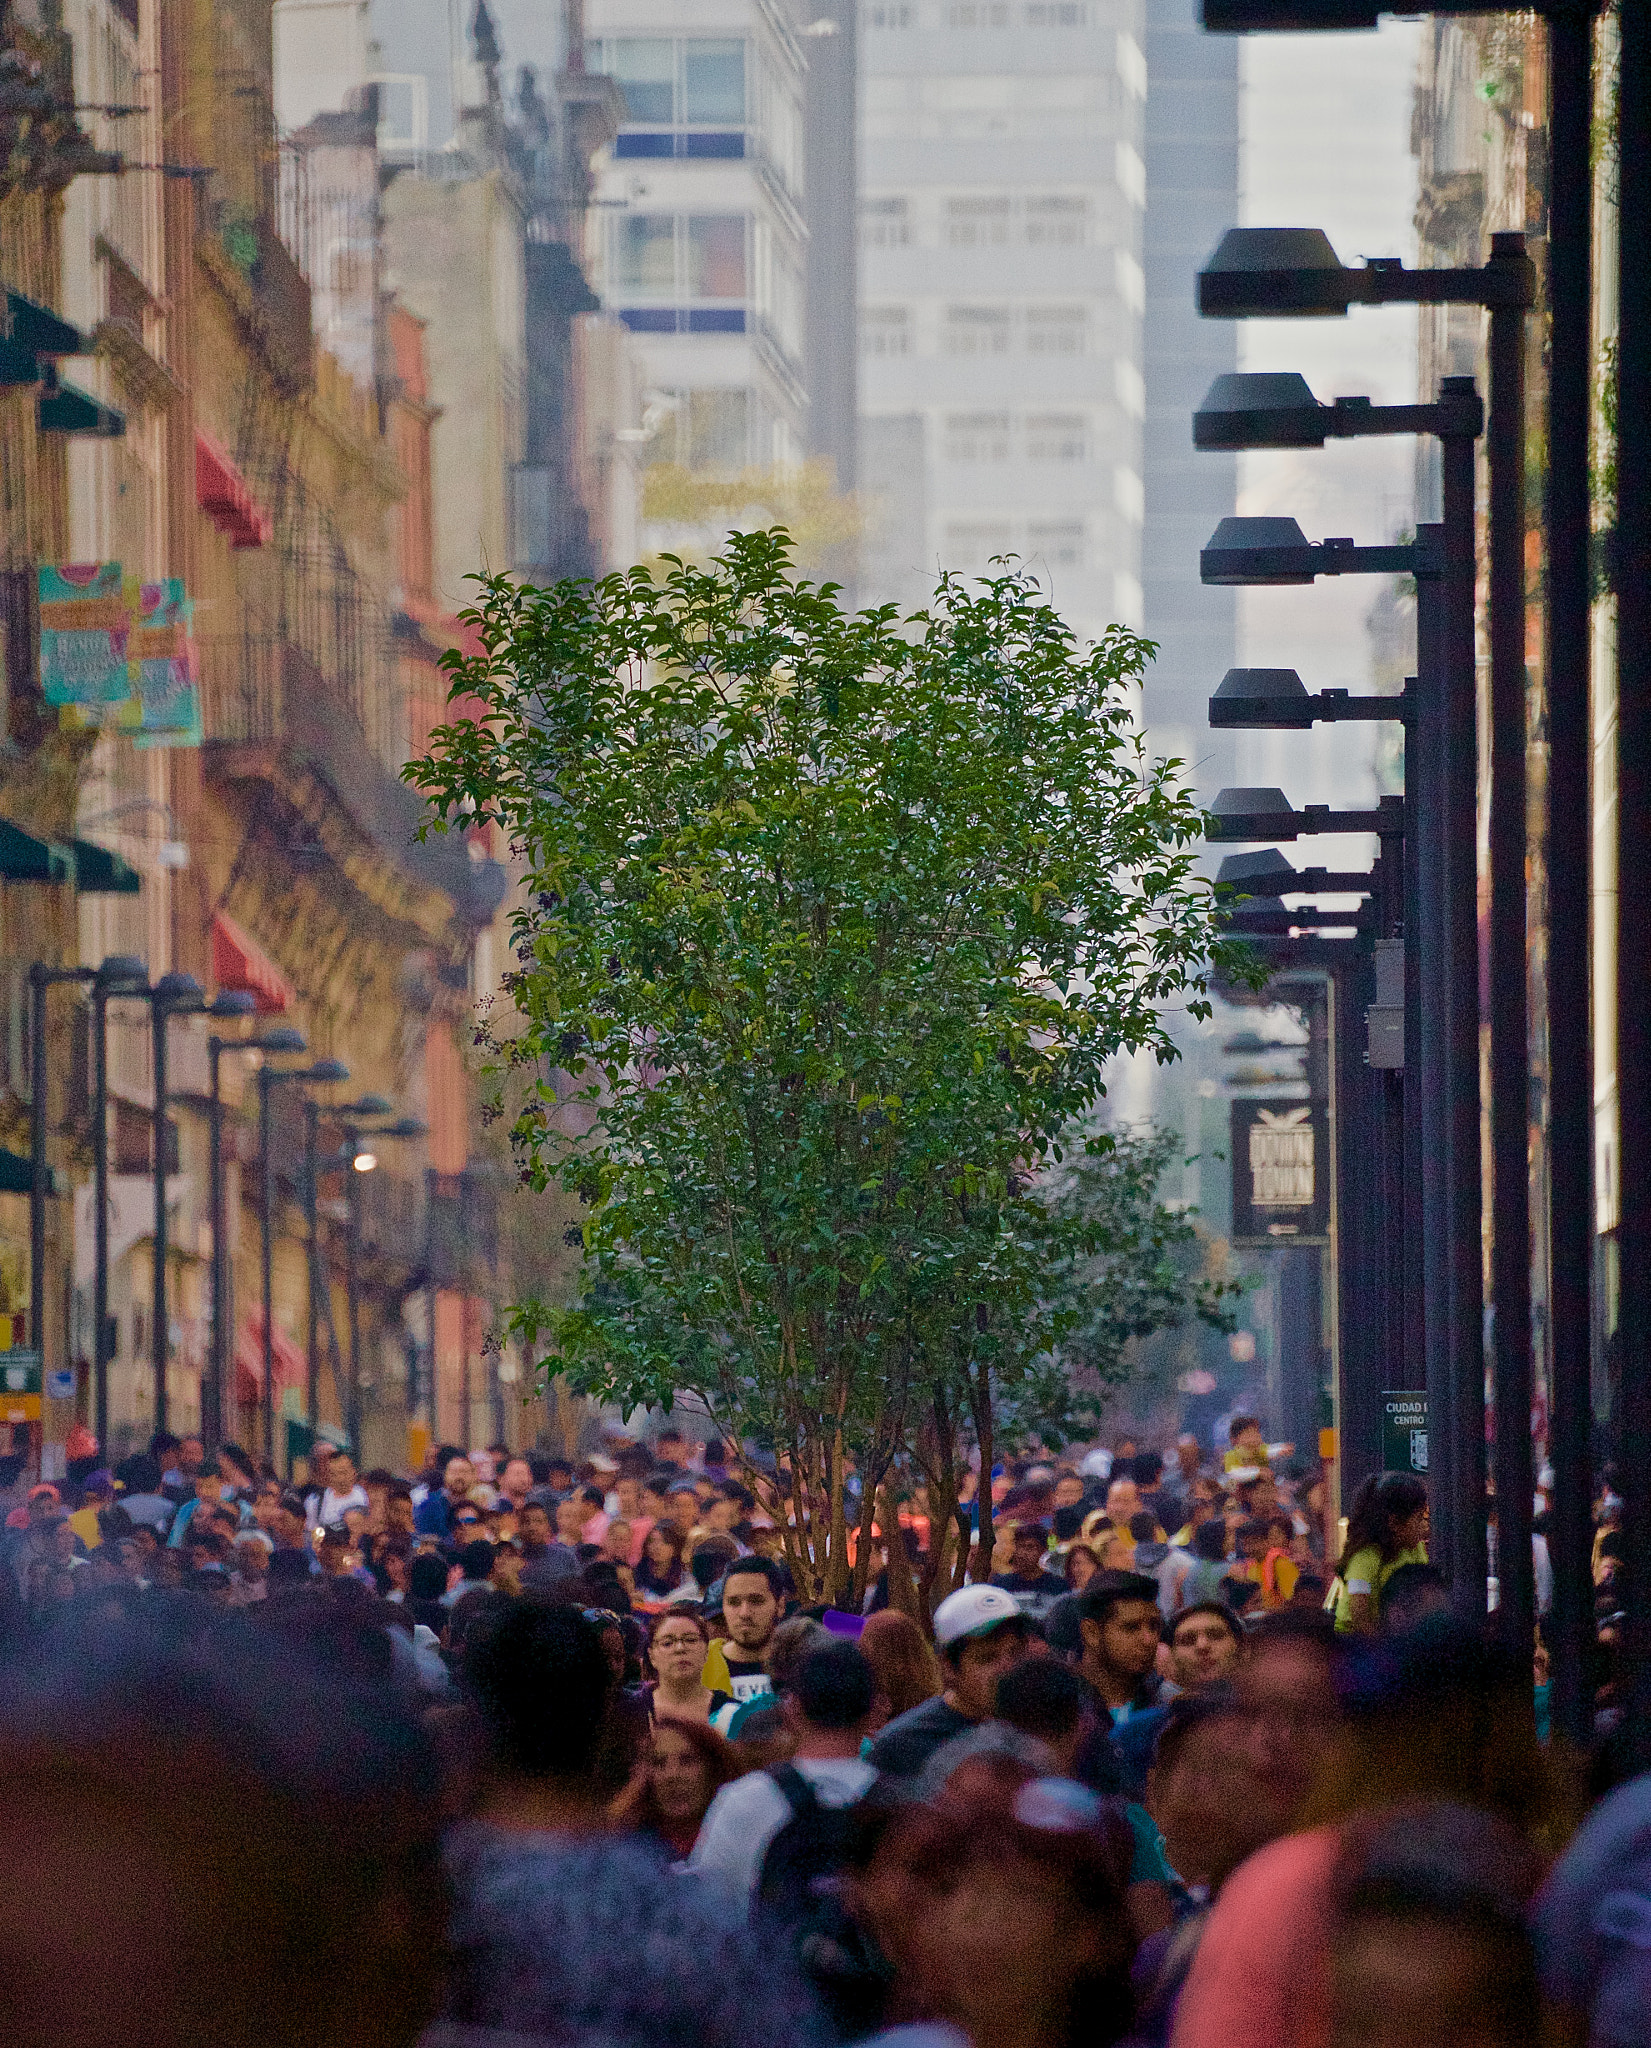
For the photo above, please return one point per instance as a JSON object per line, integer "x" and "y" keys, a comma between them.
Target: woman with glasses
{"x": 677, "y": 1645}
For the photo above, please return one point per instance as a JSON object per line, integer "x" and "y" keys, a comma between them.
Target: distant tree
{"x": 833, "y": 923}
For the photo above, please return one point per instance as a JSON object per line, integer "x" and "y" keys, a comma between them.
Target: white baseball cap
{"x": 972, "y": 1612}
{"x": 1097, "y": 1465}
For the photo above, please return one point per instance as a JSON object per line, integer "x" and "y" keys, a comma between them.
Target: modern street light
{"x": 1296, "y": 272}
{"x": 119, "y": 974}
{"x": 1277, "y": 700}
{"x": 356, "y": 1157}
{"x": 41, "y": 977}
{"x": 322, "y": 1073}
{"x": 282, "y": 1039}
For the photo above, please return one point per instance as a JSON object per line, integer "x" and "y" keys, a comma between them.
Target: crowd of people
{"x": 535, "y": 1751}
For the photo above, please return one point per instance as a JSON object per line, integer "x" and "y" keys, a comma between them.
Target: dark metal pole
{"x": 1633, "y": 579}
{"x": 159, "y": 1335}
{"x": 312, "y": 1355}
{"x": 100, "y": 1220}
{"x": 266, "y": 1176}
{"x": 1467, "y": 1562}
{"x": 1509, "y": 971}
{"x": 352, "y": 1245}
{"x": 1427, "y": 795}
{"x": 1569, "y": 858}
{"x": 212, "y": 1394}
{"x": 38, "y": 1170}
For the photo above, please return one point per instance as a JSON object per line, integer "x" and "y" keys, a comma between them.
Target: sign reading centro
{"x": 1404, "y": 1433}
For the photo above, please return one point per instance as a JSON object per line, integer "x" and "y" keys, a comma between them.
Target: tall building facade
{"x": 1003, "y": 189}
{"x": 697, "y": 239}
{"x": 1191, "y": 153}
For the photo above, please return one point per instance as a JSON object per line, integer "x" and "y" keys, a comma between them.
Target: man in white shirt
{"x": 342, "y": 1491}
{"x": 833, "y": 1706}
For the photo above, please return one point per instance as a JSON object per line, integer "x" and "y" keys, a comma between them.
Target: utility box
{"x": 1384, "y": 1020}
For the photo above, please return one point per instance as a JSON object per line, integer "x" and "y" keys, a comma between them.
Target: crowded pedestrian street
{"x": 520, "y": 1749}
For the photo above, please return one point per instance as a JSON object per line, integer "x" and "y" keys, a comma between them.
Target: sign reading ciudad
{"x": 1281, "y": 1170}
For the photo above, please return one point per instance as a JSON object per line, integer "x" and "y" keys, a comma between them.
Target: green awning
{"x": 64, "y": 410}
{"x": 23, "y": 858}
{"x": 16, "y": 1174}
{"x": 18, "y": 365}
{"x": 99, "y": 872}
{"x": 39, "y": 330}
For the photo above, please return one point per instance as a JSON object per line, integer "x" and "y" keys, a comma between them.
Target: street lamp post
{"x": 281, "y": 1040}
{"x": 41, "y": 977}
{"x": 355, "y": 1157}
{"x": 117, "y": 974}
{"x": 172, "y": 994}
{"x": 1295, "y": 272}
{"x": 322, "y": 1072}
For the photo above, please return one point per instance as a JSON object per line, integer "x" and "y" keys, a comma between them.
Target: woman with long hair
{"x": 1000, "y": 1908}
{"x": 1081, "y": 1566}
{"x": 906, "y": 1668}
{"x": 678, "y": 1642}
{"x": 1386, "y": 1528}
{"x": 681, "y": 1771}
{"x": 662, "y": 1569}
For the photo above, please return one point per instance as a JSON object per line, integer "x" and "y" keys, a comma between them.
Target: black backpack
{"x": 799, "y": 1895}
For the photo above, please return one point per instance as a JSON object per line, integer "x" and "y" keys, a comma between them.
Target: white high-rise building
{"x": 1001, "y": 295}
{"x": 698, "y": 221}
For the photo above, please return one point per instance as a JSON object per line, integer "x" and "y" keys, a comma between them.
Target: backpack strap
{"x": 800, "y": 1795}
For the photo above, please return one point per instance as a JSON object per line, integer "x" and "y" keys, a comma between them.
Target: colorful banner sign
{"x": 118, "y": 653}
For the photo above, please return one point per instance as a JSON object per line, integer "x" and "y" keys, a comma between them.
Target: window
{"x": 1057, "y": 14}
{"x": 977, "y": 331}
{"x": 978, "y": 14}
{"x": 713, "y": 83}
{"x": 716, "y": 255}
{"x": 715, "y": 423}
{"x": 977, "y": 223}
{"x": 1055, "y": 437}
{"x": 403, "y": 112}
{"x": 885, "y": 331}
{"x": 977, "y": 437}
{"x": 885, "y": 224}
{"x": 646, "y": 70}
{"x": 647, "y": 254}
{"x": 1054, "y": 221}
{"x": 1055, "y": 330}
{"x": 899, "y": 15}
{"x": 1057, "y": 542}
{"x": 970, "y": 545}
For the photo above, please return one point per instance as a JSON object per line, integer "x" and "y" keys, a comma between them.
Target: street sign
{"x": 61, "y": 1385}
{"x": 19, "y": 1372}
{"x": 1281, "y": 1170}
{"x": 1404, "y": 1433}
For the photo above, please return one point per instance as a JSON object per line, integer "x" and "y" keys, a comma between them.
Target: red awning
{"x": 226, "y": 497}
{"x": 290, "y": 1365}
{"x": 239, "y": 962}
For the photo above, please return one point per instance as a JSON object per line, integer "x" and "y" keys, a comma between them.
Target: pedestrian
{"x": 683, "y": 1767}
{"x": 1386, "y": 1528}
{"x": 999, "y": 1907}
{"x": 1033, "y": 1589}
{"x": 1429, "y": 1940}
{"x": 678, "y": 1643}
{"x": 980, "y": 1634}
{"x": 562, "y": 1929}
{"x": 1202, "y": 1647}
{"x": 831, "y": 1707}
{"x": 545, "y": 1562}
{"x": 907, "y": 1670}
{"x": 1431, "y": 1716}
{"x": 1121, "y": 1629}
{"x": 753, "y": 1601}
{"x": 328, "y": 1504}
{"x": 436, "y": 1513}
{"x": 1591, "y": 1922}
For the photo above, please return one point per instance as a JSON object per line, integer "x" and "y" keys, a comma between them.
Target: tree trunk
{"x": 980, "y": 1401}
{"x": 903, "y": 1593}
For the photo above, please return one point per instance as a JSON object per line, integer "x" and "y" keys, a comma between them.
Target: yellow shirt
{"x": 1366, "y": 1573}
{"x": 84, "y": 1523}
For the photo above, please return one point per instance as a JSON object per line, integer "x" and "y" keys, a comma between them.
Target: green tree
{"x": 833, "y": 922}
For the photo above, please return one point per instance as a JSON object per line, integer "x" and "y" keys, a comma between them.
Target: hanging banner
{"x": 117, "y": 654}
{"x": 1281, "y": 1171}
{"x": 163, "y": 662}
{"x": 85, "y": 625}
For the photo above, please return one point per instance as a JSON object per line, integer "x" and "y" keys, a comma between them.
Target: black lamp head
{"x": 177, "y": 991}
{"x": 1274, "y": 271}
{"x": 1266, "y": 869}
{"x": 1248, "y": 17}
{"x": 368, "y": 1105}
{"x": 326, "y": 1071}
{"x": 231, "y": 1002}
{"x": 1259, "y": 409}
{"x": 122, "y": 971}
{"x": 1257, "y": 552}
{"x": 1262, "y": 699}
{"x": 282, "y": 1039}
{"x": 1252, "y": 814}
